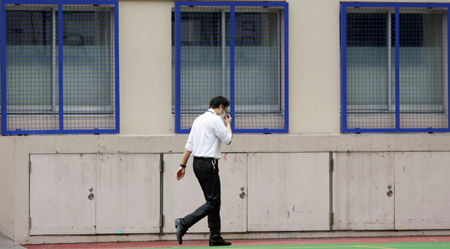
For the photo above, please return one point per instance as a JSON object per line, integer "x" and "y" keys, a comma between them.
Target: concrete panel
{"x": 128, "y": 193}
{"x": 288, "y": 192}
{"x": 183, "y": 197}
{"x": 360, "y": 187}
{"x": 233, "y": 176}
{"x": 422, "y": 183}
{"x": 59, "y": 189}
{"x": 7, "y": 186}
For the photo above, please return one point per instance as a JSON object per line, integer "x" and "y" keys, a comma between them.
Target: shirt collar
{"x": 211, "y": 111}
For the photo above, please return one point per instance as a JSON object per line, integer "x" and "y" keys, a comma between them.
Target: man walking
{"x": 208, "y": 131}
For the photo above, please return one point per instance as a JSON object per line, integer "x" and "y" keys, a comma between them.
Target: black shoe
{"x": 180, "y": 231}
{"x": 220, "y": 242}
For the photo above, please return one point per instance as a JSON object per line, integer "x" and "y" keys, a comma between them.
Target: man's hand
{"x": 180, "y": 173}
{"x": 228, "y": 119}
{"x": 184, "y": 161}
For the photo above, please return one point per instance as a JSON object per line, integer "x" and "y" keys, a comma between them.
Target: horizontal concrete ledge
{"x": 231, "y": 236}
{"x": 242, "y": 143}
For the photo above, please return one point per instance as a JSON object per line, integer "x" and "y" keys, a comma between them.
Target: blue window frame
{"x": 59, "y": 67}
{"x": 238, "y": 50}
{"x": 395, "y": 70}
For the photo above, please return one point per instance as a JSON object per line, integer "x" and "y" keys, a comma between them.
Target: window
{"x": 59, "y": 78}
{"x": 237, "y": 50}
{"x": 389, "y": 85}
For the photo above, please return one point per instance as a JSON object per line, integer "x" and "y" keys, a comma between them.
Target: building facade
{"x": 340, "y": 111}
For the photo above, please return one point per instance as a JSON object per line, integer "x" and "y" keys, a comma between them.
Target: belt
{"x": 205, "y": 158}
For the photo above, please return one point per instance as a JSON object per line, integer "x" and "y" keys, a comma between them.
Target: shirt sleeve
{"x": 189, "y": 144}
{"x": 221, "y": 131}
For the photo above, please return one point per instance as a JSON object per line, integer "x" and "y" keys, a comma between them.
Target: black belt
{"x": 205, "y": 158}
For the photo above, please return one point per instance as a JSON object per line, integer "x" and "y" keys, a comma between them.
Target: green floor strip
{"x": 410, "y": 245}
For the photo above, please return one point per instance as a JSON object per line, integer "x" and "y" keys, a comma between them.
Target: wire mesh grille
{"x": 32, "y": 68}
{"x": 205, "y": 58}
{"x": 423, "y": 68}
{"x": 386, "y": 93}
{"x": 259, "y": 86}
{"x": 252, "y": 39}
{"x": 52, "y": 92}
{"x": 89, "y": 75}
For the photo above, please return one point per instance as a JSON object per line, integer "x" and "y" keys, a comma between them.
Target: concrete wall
{"x": 258, "y": 162}
{"x": 146, "y": 67}
{"x": 7, "y": 194}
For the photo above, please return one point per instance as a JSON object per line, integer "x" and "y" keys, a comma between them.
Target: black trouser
{"x": 207, "y": 172}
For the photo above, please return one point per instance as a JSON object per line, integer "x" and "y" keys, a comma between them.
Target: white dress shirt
{"x": 208, "y": 130}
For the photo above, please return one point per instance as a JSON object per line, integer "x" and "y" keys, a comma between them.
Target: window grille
{"x": 59, "y": 67}
{"x": 237, "y": 50}
{"x": 394, "y": 67}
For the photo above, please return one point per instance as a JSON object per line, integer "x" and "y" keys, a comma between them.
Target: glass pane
{"x": 257, "y": 60}
{"x": 31, "y": 68}
{"x": 369, "y": 61}
{"x": 423, "y": 68}
{"x": 204, "y": 59}
{"x": 31, "y": 65}
{"x": 421, "y": 61}
{"x": 88, "y": 61}
{"x": 370, "y": 68}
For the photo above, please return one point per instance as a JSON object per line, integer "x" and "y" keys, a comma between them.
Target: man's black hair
{"x": 217, "y": 101}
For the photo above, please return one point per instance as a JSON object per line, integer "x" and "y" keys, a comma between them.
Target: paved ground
{"x": 7, "y": 243}
{"x": 332, "y": 243}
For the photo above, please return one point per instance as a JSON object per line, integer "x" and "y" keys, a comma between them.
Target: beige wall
{"x": 314, "y": 70}
{"x": 314, "y": 66}
{"x": 145, "y": 67}
{"x": 6, "y": 186}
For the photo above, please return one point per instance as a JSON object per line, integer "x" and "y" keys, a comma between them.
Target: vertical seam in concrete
{"x": 161, "y": 193}
{"x": 331, "y": 170}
